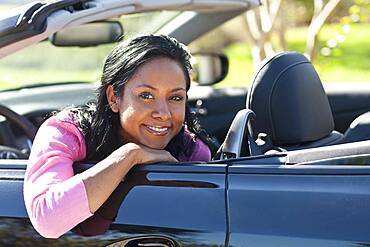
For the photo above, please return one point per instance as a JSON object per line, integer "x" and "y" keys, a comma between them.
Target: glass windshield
{"x": 44, "y": 63}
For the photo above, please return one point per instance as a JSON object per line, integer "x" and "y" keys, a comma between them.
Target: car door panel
{"x": 298, "y": 206}
{"x": 187, "y": 205}
{"x": 164, "y": 205}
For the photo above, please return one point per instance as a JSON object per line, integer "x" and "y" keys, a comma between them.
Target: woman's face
{"x": 152, "y": 106}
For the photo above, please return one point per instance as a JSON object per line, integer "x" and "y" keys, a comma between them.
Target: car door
{"x": 162, "y": 205}
{"x": 321, "y": 203}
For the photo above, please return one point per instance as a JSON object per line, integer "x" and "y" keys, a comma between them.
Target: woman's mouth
{"x": 157, "y": 130}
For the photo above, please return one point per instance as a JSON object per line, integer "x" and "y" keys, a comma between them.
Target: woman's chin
{"x": 153, "y": 145}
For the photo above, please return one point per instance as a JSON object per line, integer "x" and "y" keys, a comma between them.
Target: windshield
{"x": 44, "y": 63}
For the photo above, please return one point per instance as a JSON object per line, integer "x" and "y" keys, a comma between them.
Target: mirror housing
{"x": 90, "y": 34}
{"x": 209, "y": 67}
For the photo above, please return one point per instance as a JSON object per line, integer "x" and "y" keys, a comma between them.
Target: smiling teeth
{"x": 158, "y": 129}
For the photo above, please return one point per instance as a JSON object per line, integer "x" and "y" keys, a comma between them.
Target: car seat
{"x": 291, "y": 107}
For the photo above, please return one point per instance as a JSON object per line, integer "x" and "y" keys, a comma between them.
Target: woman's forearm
{"x": 103, "y": 178}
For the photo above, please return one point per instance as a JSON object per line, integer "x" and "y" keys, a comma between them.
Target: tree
{"x": 267, "y": 19}
{"x": 321, "y": 13}
{"x": 356, "y": 12}
{"x": 261, "y": 23}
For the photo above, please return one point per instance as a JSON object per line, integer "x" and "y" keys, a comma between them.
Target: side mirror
{"x": 90, "y": 34}
{"x": 209, "y": 67}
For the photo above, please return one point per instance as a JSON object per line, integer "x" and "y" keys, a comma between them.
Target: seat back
{"x": 290, "y": 104}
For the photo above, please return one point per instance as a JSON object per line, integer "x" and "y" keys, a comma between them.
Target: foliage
{"x": 268, "y": 24}
{"x": 299, "y": 12}
{"x": 358, "y": 12}
{"x": 349, "y": 63}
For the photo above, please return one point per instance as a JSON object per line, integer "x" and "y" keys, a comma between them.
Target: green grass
{"x": 240, "y": 66}
{"x": 350, "y": 61}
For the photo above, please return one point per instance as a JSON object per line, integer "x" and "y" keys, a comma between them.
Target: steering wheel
{"x": 24, "y": 125}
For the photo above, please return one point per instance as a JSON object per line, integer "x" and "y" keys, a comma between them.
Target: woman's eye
{"x": 146, "y": 96}
{"x": 177, "y": 98}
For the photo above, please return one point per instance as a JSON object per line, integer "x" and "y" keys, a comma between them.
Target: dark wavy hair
{"x": 101, "y": 125}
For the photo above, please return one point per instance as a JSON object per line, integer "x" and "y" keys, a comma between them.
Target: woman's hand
{"x": 139, "y": 154}
{"x": 145, "y": 155}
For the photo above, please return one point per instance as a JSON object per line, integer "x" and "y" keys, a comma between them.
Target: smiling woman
{"x": 152, "y": 111}
{"x": 140, "y": 117}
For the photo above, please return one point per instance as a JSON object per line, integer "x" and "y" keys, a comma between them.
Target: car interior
{"x": 293, "y": 109}
{"x": 285, "y": 111}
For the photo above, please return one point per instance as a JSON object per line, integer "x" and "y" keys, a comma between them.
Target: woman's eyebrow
{"x": 178, "y": 89}
{"x": 146, "y": 85}
{"x": 153, "y": 88}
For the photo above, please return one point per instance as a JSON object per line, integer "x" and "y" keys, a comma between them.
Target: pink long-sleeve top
{"x": 55, "y": 198}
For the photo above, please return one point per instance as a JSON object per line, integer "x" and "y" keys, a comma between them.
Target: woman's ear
{"x": 112, "y": 99}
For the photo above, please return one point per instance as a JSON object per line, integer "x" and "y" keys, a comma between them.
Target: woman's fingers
{"x": 140, "y": 154}
{"x": 155, "y": 156}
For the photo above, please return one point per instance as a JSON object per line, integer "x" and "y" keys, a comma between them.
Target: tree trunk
{"x": 260, "y": 24}
{"x": 321, "y": 14}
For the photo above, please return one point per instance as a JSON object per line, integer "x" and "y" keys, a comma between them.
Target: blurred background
{"x": 334, "y": 34}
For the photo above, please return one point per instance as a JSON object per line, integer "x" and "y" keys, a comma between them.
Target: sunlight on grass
{"x": 240, "y": 66}
{"x": 350, "y": 60}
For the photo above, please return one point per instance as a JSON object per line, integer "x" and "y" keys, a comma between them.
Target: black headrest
{"x": 289, "y": 101}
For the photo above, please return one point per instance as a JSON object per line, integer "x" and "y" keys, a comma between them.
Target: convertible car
{"x": 291, "y": 160}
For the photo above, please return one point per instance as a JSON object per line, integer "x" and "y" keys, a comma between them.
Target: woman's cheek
{"x": 179, "y": 116}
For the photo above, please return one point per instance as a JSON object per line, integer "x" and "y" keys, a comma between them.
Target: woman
{"x": 139, "y": 118}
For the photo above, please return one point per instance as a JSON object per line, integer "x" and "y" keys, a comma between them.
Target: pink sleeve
{"x": 55, "y": 198}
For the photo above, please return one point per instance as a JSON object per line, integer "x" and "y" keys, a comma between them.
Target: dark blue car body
{"x": 258, "y": 201}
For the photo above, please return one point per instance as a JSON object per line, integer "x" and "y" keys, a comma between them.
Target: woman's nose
{"x": 161, "y": 111}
